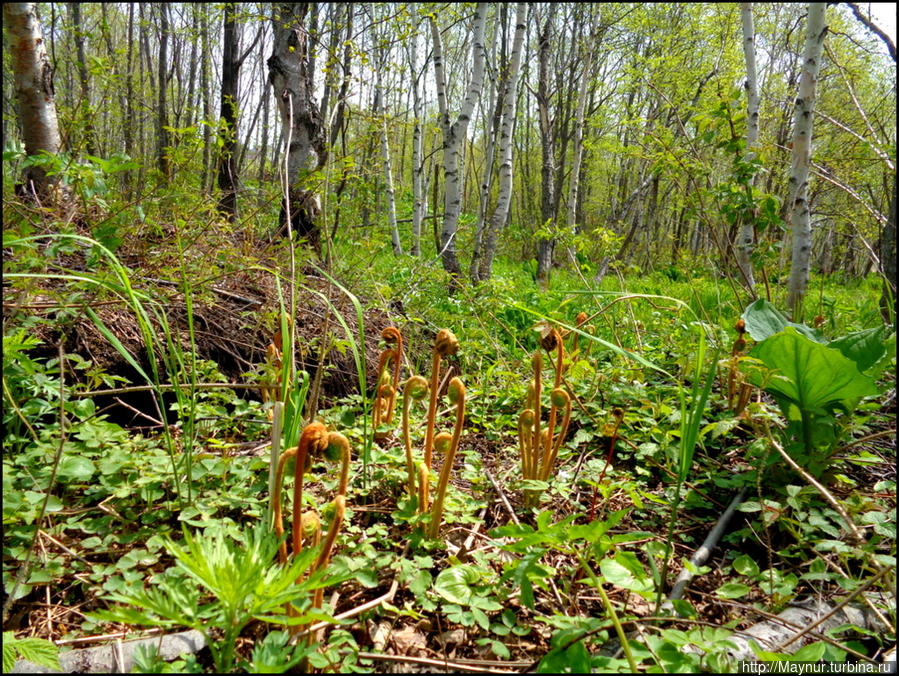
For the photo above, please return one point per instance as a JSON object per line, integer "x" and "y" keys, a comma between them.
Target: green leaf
{"x": 746, "y": 565}
{"x": 38, "y": 650}
{"x": 811, "y": 376}
{"x": 454, "y": 584}
{"x": 732, "y": 590}
{"x": 9, "y": 653}
{"x": 868, "y": 349}
{"x": 76, "y": 468}
{"x": 620, "y": 575}
{"x": 764, "y": 320}
{"x": 810, "y": 653}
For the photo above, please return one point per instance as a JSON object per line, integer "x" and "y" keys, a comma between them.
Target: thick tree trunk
{"x": 33, "y": 81}
{"x": 291, "y": 77}
{"x": 477, "y": 250}
{"x": 802, "y": 149}
{"x": 227, "y": 165}
{"x": 454, "y": 136}
{"x": 546, "y": 244}
{"x": 510, "y": 98}
{"x": 746, "y": 237}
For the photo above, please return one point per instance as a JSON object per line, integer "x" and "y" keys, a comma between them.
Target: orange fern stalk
{"x": 448, "y": 445}
{"x": 313, "y": 442}
{"x": 445, "y": 344}
{"x": 392, "y": 334}
{"x": 415, "y": 389}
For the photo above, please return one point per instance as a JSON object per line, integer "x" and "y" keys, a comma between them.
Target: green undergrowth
{"x": 113, "y": 529}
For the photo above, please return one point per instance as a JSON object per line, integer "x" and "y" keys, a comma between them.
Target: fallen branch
{"x": 702, "y": 554}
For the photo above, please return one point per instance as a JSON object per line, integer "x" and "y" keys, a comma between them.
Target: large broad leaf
{"x": 869, "y": 349}
{"x": 764, "y": 320}
{"x": 813, "y": 377}
{"x": 454, "y": 584}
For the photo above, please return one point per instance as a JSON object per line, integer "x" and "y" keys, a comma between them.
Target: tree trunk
{"x": 207, "y": 99}
{"x": 87, "y": 113}
{"x": 162, "y": 135}
{"x": 496, "y": 103}
{"x": 510, "y": 99}
{"x": 192, "y": 68}
{"x": 495, "y": 91}
{"x": 227, "y": 167}
{"x": 547, "y": 242}
{"x": 802, "y": 148}
{"x": 418, "y": 195}
{"x": 380, "y": 112}
{"x": 291, "y": 77}
{"x": 263, "y": 150}
{"x": 33, "y": 81}
{"x": 130, "y": 121}
{"x": 888, "y": 260}
{"x": 746, "y": 237}
{"x": 578, "y": 142}
{"x": 454, "y": 136}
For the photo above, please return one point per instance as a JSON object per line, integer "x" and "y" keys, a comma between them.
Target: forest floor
{"x": 526, "y": 573}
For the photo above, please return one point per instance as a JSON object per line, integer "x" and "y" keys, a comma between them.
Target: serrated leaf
{"x": 38, "y": 650}
{"x": 9, "y": 653}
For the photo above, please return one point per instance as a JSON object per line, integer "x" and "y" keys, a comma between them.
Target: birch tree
{"x": 510, "y": 98}
{"x": 802, "y": 148}
{"x": 418, "y": 192}
{"x": 291, "y": 76}
{"x": 380, "y": 112}
{"x": 746, "y": 236}
{"x": 547, "y": 243}
{"x": 33, "y": 82}
{"x": 578, "y": 142}
{"x": 454, "y": 134}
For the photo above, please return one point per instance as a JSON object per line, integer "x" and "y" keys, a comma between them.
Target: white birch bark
{"x": 381, "y": 112}
{"x": 454, "y": 135}
{"x": 418, "y": 194}
{"x": 510, "y": 99}
{"x": 491, "y": 131}
{"x": 802, "y": 149}
{"x": 746, "y": 236}
{"x": 33, "y": 83}
{"x": 578, "y": 143}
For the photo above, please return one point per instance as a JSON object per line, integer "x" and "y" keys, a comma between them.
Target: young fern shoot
{"x": 448, "y": 445}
